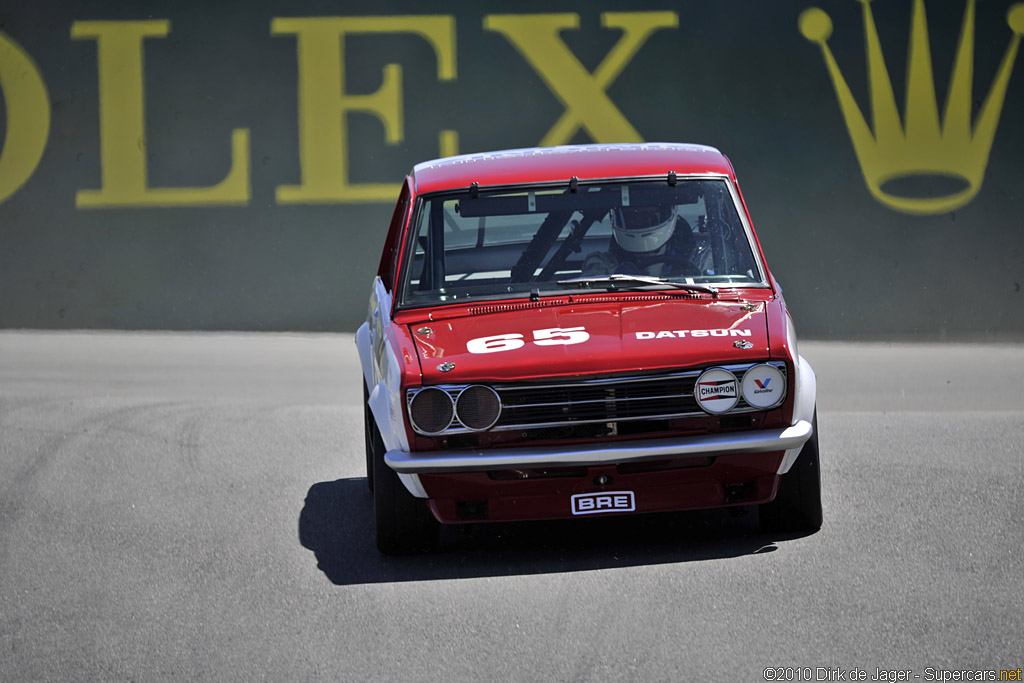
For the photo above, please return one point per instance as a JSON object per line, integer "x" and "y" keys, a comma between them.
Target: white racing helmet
{"x": 641, "y": 229}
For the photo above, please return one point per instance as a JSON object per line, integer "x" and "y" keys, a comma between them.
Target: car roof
{"x": 553, "y": 164}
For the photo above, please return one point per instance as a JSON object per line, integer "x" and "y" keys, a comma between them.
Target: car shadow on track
{"x": 336, "y": 523}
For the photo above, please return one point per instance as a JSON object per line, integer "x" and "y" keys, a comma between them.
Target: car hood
{"x": 512, "y": 342}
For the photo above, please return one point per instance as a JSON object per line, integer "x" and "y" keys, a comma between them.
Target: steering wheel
{"x": 677, "y": 264}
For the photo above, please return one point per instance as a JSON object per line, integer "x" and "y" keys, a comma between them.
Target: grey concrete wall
{"x": 187, "y": 165}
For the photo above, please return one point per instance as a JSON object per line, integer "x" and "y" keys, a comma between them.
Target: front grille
{"x": 614, "y": 400}
{"x": 557, "y": 405}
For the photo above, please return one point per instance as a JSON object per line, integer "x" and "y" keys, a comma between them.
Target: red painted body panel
{"x": 781, "y": 347}
{"x": 406, "y": 351}
{"x": 686, "y": 332}
{"x": 729, "y": 480}
{"x": 387, "y": 271}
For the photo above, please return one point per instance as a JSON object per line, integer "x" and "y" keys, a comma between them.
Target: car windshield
{"x": 486, "y": 245}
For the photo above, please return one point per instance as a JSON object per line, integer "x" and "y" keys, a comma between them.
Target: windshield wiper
{"x": 640, "y": 279}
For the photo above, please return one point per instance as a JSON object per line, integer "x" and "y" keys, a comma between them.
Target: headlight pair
{"x": 432, "y": 409}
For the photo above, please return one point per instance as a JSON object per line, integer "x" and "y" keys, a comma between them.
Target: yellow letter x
{"x": 583, "y": 94}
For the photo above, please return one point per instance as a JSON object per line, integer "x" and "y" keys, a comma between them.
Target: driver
{"x": 641, "y": 244}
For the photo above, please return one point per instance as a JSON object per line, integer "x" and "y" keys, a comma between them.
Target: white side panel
{"x": 806, "y": 397}
{"x": 382, "y": 373}
{"x": 385, "y": 403}
{"x": 365, "y": 354}
{"x": 412, "y": 484}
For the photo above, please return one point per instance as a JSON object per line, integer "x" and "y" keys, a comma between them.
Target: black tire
{"x": 797, "y": 504}
{"x": 368, "y": 427}
{"x": 404, "y": 523}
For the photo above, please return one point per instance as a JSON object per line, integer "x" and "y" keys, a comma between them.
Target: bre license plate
{"x": 606, "y": 501}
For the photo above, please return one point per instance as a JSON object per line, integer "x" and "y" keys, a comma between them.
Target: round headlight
{"x": 478, "y": 407}
{"x": 716, "y": 391}
{"x": 764, "y": 386}
{"x": 431, "y": 411}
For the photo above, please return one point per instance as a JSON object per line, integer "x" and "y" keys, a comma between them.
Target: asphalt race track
{"x": 178, "y": 507}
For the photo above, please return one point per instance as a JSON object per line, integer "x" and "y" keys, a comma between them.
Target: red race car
{"x": 578, "y": 331}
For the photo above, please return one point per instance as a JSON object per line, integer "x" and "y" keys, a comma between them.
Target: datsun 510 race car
{"x": 580, "y": 331}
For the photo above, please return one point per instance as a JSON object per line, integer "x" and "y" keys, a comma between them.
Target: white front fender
{"x": 806, "y": 399}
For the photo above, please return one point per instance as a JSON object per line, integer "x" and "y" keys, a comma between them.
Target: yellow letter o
{"x": 28, "y": 116}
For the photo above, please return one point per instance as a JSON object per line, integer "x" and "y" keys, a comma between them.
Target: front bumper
{"x": 730, "y": 443}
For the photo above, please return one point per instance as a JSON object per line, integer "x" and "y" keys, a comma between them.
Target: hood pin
{"x": 743, "y": 344}
{"x": 447, "y": 366}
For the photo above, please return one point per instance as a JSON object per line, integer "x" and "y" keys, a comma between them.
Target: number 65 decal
{"x": 553, "y": 336}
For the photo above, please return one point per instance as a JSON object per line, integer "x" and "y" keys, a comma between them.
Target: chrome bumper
{"x": 469, "y": 460}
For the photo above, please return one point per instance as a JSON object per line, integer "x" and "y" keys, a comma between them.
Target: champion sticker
{"x": 716, "y": 391}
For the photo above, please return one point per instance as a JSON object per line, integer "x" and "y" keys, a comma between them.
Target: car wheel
{"x": 797, "y": 504}
{"x": 404, "y": 523}
{"x": 368, "y": 427}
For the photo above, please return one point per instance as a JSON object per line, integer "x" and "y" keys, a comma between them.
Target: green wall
{"x": 186, "y": 165}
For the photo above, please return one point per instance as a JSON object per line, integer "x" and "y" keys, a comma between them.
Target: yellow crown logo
{"x": 920, "y": 147}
